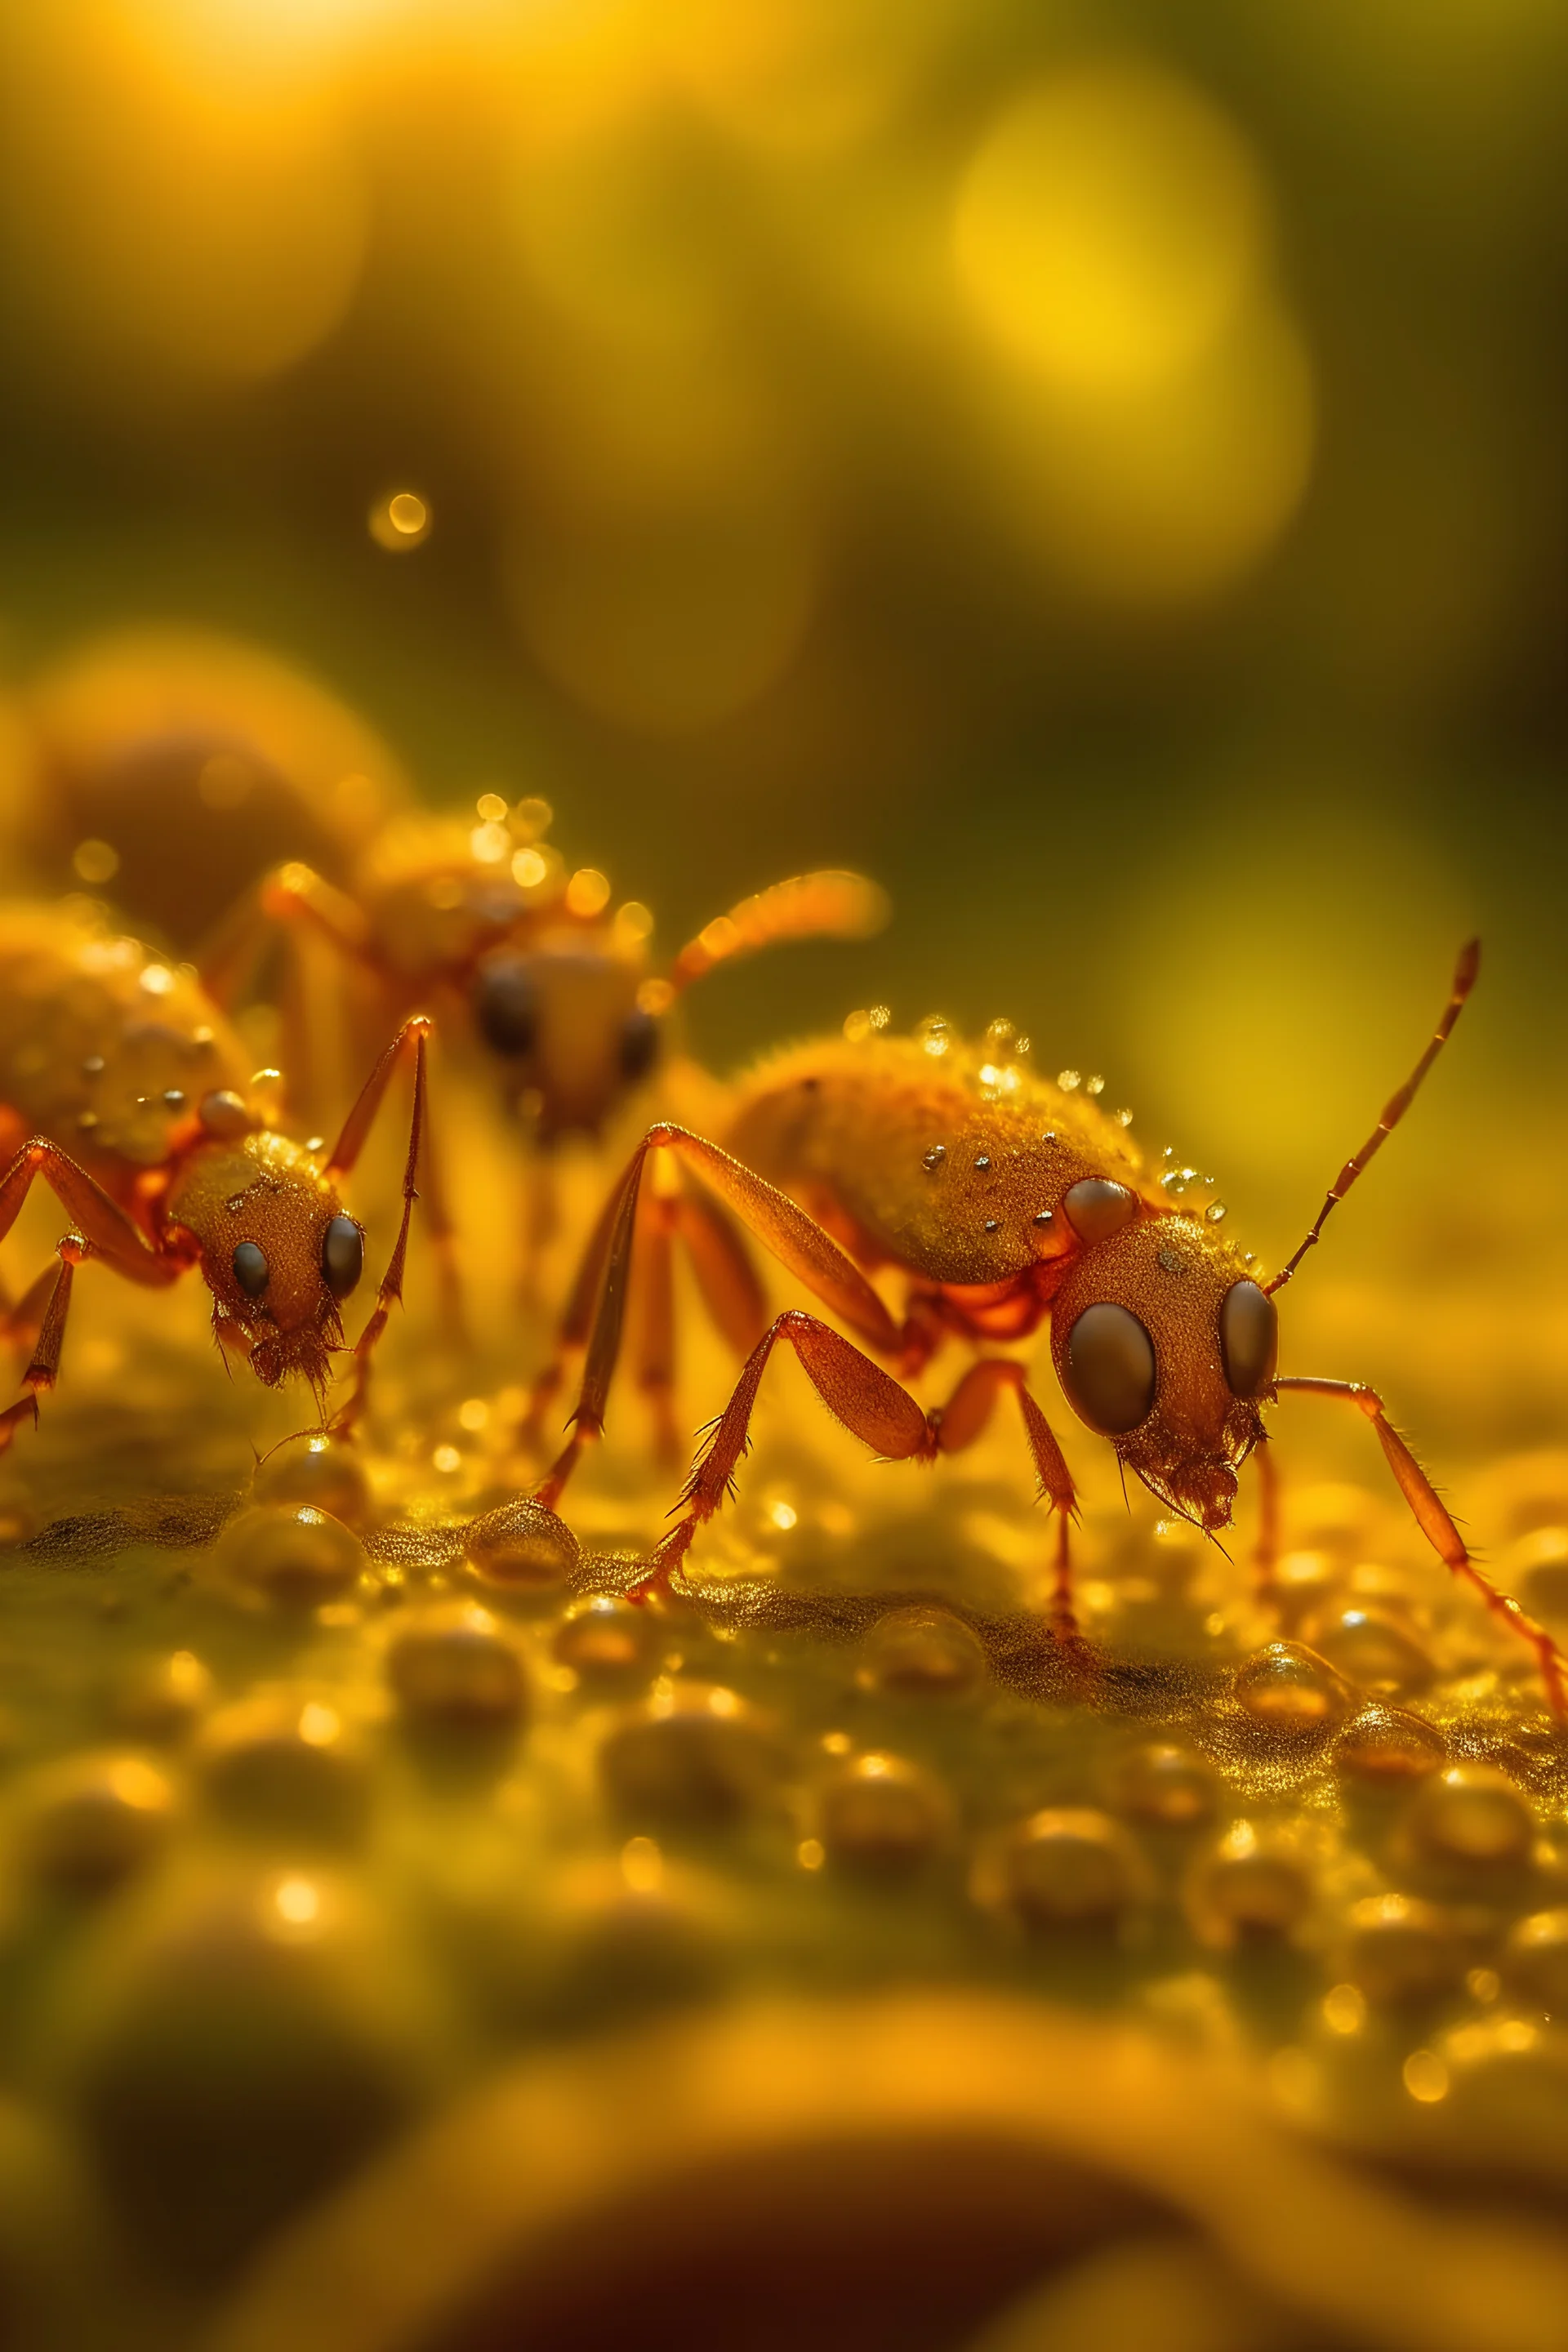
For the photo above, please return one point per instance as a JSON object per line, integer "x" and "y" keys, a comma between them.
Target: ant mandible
{"x": 1004, "y": 1201}
{"x": 479, "y": 918}
{"x": 178, "y": 1165}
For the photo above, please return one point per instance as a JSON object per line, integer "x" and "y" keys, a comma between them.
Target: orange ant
{"x": 1004, "y": 1201}
{"x": 481, "y": 921}
{"x": 103, "y": 1040}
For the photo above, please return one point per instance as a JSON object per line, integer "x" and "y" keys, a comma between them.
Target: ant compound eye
{"x": 1248, "y": 1338}
{"x": 1109, "y": 1376}
{"x": 251, "y": 1270}
{"x": 506, "y": 1007}
{"x": 639, "y": 1044}
{"x": 1097, "y": 1208}
{"x": 342, "y": 1256}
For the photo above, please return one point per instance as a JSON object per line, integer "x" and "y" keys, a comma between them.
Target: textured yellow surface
{"x": 407, "y": 1941}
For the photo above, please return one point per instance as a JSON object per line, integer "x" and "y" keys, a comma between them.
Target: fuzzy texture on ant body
{"x": 530, "y": 964}
{"x": 172, "y": 1161}
{"x": 1003, "y": 1202}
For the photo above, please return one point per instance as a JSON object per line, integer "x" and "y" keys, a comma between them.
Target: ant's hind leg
{"x": 867, "y": 1401}
{"x": 1437, "y": 1524}
{"x": 44, "y": 1369}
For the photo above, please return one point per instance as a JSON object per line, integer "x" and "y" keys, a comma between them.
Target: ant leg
{"x": 1266, "y": 1551}
{"x": 729, "y": 1283}
{"x": 293, "y": 895}
{"x": 415, "y": 1033}
{"x": 23, "y": 1319}
{"x": 810, "y": 907}
{"x": 1437, "y": 1526}
{"x": 540, "y": 1223}
{"x": 961, "y": 1420}
{"x": 442, "y": 1237}
{"x": 655, "y": 1265}
{"x": 44, "y": 1369}
{"x": 571, "y": 1332}
{"x": 781, "y": 1226}
{"x": 100, "y": 1220}
{"x": 867, "y": 1401}
{"x": 105, "y": 1232}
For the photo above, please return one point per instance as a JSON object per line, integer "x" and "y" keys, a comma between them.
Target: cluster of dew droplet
{"x": 1341, "y": 1848}
{"x": 1194, "y": 1194}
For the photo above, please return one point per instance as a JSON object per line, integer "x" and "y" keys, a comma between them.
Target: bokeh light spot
{"x": 95, "y": 861}
{"x": 1110, "y": 227}
{"x": 666, "y": 615}
{"x": 400, "y": 521}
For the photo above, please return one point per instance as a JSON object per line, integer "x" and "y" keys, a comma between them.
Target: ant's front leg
{"x": 1437, "y": 1524}
{"x": 412, "y": 1036}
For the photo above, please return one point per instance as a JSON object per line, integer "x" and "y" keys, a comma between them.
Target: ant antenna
{"x": 1465, "y": 973}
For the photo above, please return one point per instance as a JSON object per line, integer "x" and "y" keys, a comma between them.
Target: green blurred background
{"x": 1098, "y": 469}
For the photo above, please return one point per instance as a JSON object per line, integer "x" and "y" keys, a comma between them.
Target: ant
{"x": 482, "y": 920}
{"x": 1003, "y": 1200}
{"x": 179, "y": 1165}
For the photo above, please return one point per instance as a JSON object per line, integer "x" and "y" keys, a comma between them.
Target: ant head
{"x": 570, "y": 1024}
{"x": 1164, "y": 1343}
{"x": 278, "y": 1253}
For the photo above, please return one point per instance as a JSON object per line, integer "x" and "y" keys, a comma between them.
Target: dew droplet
{"x": 1371, "y": 1647}
{"x": 295, "y": 1554}
{"x": 1472, "y": 1816}
{"x": 317, "y": 1469}
{"x": 881, "y": 1816}
{"x": 1166, "y": 1786}
{"x": 522, "y": 1551}
{"x": 1400, "y": 1950}
{"x": 1248, "y": 1888}
{"x": 922, "y": 1652}
{"x": 1290, "y": 1688}
{"x": 1068, "y": 1867}
{"x": 607, "y": 1641}
{"x": 91, "y": 1821}
{"x": 934, "y": 1158}
{"x": 1386, "y": 1747}
{"x": 457, "y": 1671}
{"x": 282, "y": 1771}
{"x": 1215, "y": 1213}
{"x": 1070, "y": 1081}
{"x": 1535, "y": 1960}
{"x": 693, "y": 1755}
